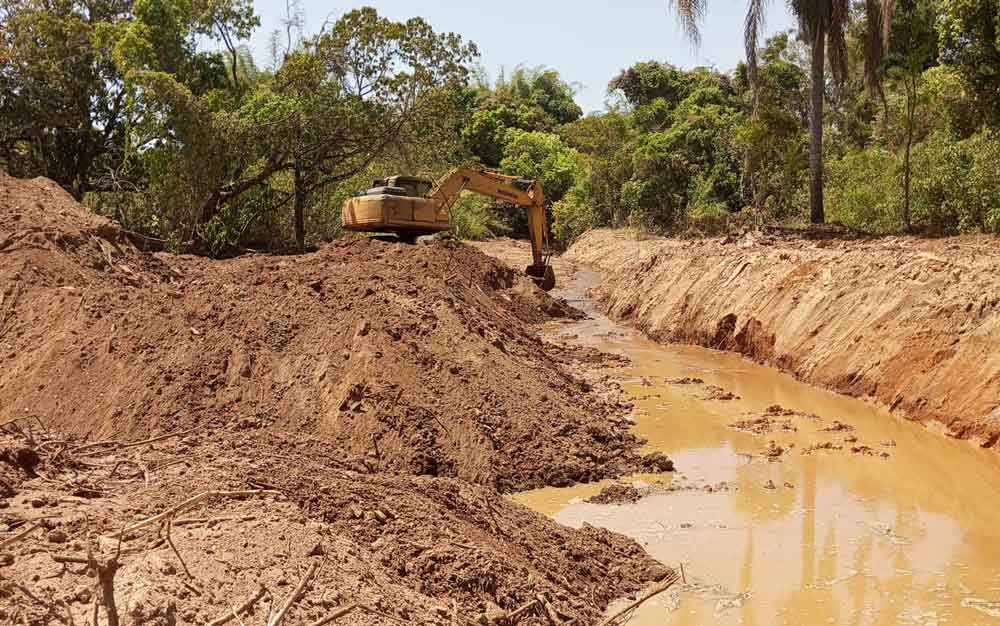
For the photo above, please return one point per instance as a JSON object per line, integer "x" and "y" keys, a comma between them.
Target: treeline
{"x": 152, "y": 112}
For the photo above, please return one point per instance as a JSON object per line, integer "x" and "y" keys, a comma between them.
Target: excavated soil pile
{"x": 912, "y": 323}
{"x": 361, "y": 407}
{"x": 399, "y": 549}
{"x": 416, "y": 359}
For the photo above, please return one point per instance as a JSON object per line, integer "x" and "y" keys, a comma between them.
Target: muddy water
{"x": 842, "y": 538}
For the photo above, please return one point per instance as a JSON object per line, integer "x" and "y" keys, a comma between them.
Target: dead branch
{"x": 105, "y": 573}
{"x": 69, "y": 558}
{"x": 69, "y": 613}
{"x": 50, "y": 607}
{"x": 332, "y": 617}
{"x": 212, "y": 520}
{"x": 237, "y": 617}
{"x": 524, "y": 608}
{"x": 243, "y": 608}
{"x": 550, "y": 612}
{"x": 660, "y": 587}
{"x": 21, "y": 535}
{"x": 295, "y": 596}
{"x": 131, "y": 444}
{"x": 187, "y": 504}
{"x": 14, "y": 420}
{"x": 176, "y": 552}
{"x": 179, "y": 433}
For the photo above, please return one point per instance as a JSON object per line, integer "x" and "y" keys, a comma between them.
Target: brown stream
{"x": 843, "y": 538}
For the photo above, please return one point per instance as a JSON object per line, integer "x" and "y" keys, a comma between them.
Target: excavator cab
{"x": 401, "y": 186}
{"x": 410, "y": 206}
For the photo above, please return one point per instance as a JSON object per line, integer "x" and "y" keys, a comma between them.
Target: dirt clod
{"x": 616, "y": 493}
{"x": 684, "y": 381}
{"x": 657, "y": 462}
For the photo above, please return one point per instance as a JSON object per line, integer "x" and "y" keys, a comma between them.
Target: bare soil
{"x": 412, "y": 359}
{"x": 911, "y": 323}
{"x": 361, "y": 410}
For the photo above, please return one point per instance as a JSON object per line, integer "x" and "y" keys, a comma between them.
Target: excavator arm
{"x": 524, "y": 193}
{"x": 409, "y": 207}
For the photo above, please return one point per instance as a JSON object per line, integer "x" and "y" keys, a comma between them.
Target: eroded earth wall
{"x": 912, "y": 323}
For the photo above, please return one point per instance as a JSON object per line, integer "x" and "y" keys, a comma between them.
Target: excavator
{"x": 411, "y": 207}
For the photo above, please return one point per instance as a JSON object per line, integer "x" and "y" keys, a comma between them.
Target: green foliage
{"x": 530, "y": 100}
{"x": 969, "y": 32}
{"x": 533, "y": 154}
{"x": 574, "y": 215}
{"x": 155, "y": 113}
{"x": 856, "y": 191}
{"x": 474, "y": 217}
{"x": 487, "y": 129}
{"x": 956, "y": 188}
{"x": 648, "y": 81}
{"x": 603, "y": 144}
{"x": 540, "y": 88}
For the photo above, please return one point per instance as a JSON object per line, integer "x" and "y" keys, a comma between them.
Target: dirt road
{"x": 911, "y": 323}
{"x": 351, "y": 417}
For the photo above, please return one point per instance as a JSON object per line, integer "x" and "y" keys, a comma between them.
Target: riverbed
{"x": 886, "y": 522}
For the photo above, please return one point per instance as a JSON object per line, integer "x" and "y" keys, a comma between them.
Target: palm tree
{"x": 823, "y": 23}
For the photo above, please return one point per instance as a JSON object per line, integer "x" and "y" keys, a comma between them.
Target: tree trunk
{"x": 816, "y": 215}
{"x": 300, "y": 202}
{"x": 911, "y": 105}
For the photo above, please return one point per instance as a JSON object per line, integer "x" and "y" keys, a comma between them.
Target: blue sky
{"x": 587, "y": 41}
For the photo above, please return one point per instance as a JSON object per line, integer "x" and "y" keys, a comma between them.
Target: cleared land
{"x": 362, "y": 407}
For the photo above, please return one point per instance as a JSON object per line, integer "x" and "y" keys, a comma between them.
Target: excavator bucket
{"x": 543, "y": 275}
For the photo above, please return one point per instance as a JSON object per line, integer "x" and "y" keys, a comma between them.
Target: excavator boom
{"x": 411, "y": 207}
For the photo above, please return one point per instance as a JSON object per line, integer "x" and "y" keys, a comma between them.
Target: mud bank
{"x": 911, "y": 323}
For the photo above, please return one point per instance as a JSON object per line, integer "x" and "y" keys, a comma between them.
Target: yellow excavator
{"x": 410, "y": 207}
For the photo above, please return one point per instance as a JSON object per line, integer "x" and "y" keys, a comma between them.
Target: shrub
{"x": 572, "y": 216}
{"x": 955, "y": 185}
{"x": 472, "y": 217}
{"x": 863, "y": 191}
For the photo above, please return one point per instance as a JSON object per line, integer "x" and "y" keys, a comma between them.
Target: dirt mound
{"x": 414, "y": 359}
{"x": 913, "y": 323}
{"x": 410, "y": 549}
{"x": 359, "y": 408}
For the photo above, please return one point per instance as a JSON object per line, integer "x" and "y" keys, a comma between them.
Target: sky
{"x": 587, "y": 41}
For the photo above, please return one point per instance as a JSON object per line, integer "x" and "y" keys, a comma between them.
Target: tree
{"x": 774, "y": 139}
{"x": 534, "y": 154}
{"x": 535, "y": 99}
{"x": 969, "y": 32}
{"x": 644, "y": 82}
{"x": 356, "y": 89}
{"x": 67, "y": 107}
{"x": 823, "y": 24}
{"x": 913, "y": 51}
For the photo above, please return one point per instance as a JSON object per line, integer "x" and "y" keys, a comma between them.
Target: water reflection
{"x": 843, "y": 538}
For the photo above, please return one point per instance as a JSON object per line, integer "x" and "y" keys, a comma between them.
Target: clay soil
{"x": 911, "y": 323}
{"x": 353, "y": 416}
